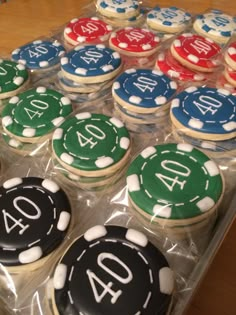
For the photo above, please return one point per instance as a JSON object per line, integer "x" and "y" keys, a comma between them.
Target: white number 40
{"x": 107, "y": 287}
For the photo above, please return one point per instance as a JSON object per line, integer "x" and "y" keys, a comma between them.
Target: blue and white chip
{"x": 118, "y": 8}
{"x": 39, "y": 54}
{"x": 216, "y": 24}
{"x": 217, "y": 147}
{"x": 143, "y": 90}
{"x": 91, "y": 64}
{"x": 209, "y": 113}
{"x": 169, "y": 19}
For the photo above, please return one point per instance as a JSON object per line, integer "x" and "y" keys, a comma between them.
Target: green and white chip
{"x": 174, "y": 181}
{"x": 91, "y": 142}
{"x": 35, "y": 113}
{"x": 12, "y": 77}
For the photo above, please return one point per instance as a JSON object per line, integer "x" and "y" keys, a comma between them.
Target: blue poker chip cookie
{"x": 143, "y": 90}
{"x": 211, "y": 147}
{"x": 207, "y": 113}
{"x": 122, "y": 9}
{"x": 91, "y": 64}
{"x": 39, "y": 55}
{"x": 170, "y": 19}
{"x": 216, "y": 25}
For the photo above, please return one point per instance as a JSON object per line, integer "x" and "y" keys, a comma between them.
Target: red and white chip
{"x": 230, "y": 55}
{"x": 230, "y": 76}
{"x": 223, "y": 83}
{"x": 172, "y": 68}
{"x": 87, "y": 30}
{"x": 196, "y": 52}
{"x": 134, "y": 41}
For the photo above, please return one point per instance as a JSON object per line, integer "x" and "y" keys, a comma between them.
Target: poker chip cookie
{"x": 230, "y": 76}
{"x": 75, "y": 87}
{"x": 91, "y": 145}
{"x": 87, "y": 183}
{"x": 39, "y": 55}
{"x": 174, "y": 185}
{"x": 143, "y": 90}
{"x": 120, "y": 9}
{"x": 133, "y": 21}
{"x": 215, "y": 149}
{"x": 144, "y": 124}
{"x": 172, "y": 68}
{"x": 205, "y": 113}
{"x": 86, "y": 30}
{"x": 134, "y": 275}
{"x": 223, "y": 83}
{"x": 140, "y": 118}
{"x": 168, "y": 19}
{"x": 134, "y": 41}
{"x": 215, "y": 25}
{"x": 91, "y": 64}
{"x": 196, "y": 52}
{"x": 13, "y": 78}
{"x": 24, "y": 148}
{"x": 34, "y": 220}
{"x": 34, "y": 114}
{"x": 230, "y": 55}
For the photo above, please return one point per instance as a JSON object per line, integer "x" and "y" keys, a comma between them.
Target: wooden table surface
{"x": 25, "y": 20}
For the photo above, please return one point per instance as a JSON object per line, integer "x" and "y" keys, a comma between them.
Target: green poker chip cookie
{"x": 174, "y": 182}
{"x": 13, "y": 77}
{"x": 22, "y": 148}
{"x": 91, "y": 145}
{"x": 35, "y": 113}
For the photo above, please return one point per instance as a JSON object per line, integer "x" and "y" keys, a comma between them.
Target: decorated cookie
{"x": 216, "y": 25}
{"x": 205, "y": 113}
{"x": 86, "y": 183}
{"x": 91, "y": 145}
{"x": 72, "y": 86}
{"x": 143, "y": 90}
{"x": 175, "y": 182}
{"x": 120, "y": 9}
{"x": 215, "y": 148}
{"x": 34, "y": 219}
{"x": 91, "y": 64}
{"x": 87, "y": 30}
{"x": 133, "y": 21}
{"x": 13, "y": 78}
{"x": 223, "y": 83}
{"x": 168, "y": 19}
{"x": 230, "y": 76}
{"x": 24, "y": 148}
{"x": 140, "y": 118}
{"x": 134, "y": 41}
{"x": 39, "y": 54}
{"x": 120, "y": 261}
{"x": 196, "y": 52}
{"x": 230, "y": 56}
{"x": 175, "y": 70}
{"x": 35, "y": 113}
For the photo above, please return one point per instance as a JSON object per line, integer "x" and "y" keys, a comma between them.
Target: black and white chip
{"x": 112, "y": 270}
{"x": 35, "y": 214}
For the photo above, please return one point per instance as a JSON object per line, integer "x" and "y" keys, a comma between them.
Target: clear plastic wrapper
{"x": 188, "y": 244}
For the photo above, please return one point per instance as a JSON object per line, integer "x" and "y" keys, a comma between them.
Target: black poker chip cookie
{"x": 112, "y": 270}
{"x": 35, "y": 215}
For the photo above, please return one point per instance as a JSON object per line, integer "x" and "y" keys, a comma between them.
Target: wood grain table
{"x": 25, "y": 20}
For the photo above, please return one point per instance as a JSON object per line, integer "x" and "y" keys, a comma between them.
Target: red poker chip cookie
{"x": 223, "y": 83}
{"x": 230, "y": 55}
{"x": 196, "y": 52}
{"x": 230, "y": 76}
{"x": 134, "y": 41}
{"x": 86, "y": 30}
{"x": 171, "y": 67}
